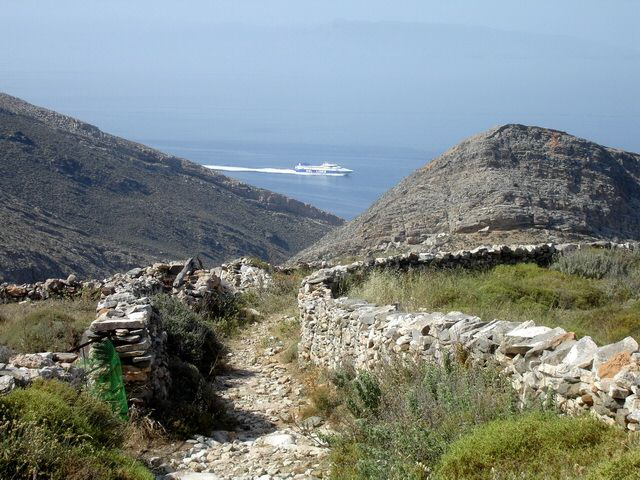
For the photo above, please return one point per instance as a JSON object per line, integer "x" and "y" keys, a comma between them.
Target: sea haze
{"x": 376, "y": 169}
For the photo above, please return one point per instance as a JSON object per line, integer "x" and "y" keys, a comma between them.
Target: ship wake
{"x": 281, "y": 171}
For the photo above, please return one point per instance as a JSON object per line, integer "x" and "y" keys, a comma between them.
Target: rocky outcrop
{"x": 83, "y": 200}
{"x": 542, "y": 362}
{"x": 512, "y": 184}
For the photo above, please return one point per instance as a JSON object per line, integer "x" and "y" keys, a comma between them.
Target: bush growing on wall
{"x": 191, "y": 337}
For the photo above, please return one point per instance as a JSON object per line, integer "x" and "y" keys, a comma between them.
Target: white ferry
{"x": 324, "y": 169}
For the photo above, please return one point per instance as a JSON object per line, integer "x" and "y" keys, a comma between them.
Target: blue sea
{"x": 376, "y": 169}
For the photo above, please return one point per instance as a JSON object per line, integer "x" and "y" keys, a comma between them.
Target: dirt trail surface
{"x": 262, "y": 397}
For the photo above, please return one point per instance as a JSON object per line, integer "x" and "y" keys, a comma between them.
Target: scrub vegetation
{"x": 52, "y": 431}
{"x": 448, "y": 422}
{"x": 50, "y": 325}
{"x": 591, "y": 292}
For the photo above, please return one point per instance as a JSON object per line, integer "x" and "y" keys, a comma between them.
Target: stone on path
{"x": 262, "y": 398}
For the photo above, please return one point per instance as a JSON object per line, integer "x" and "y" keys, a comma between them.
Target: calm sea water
{"x": 375, "y": 169}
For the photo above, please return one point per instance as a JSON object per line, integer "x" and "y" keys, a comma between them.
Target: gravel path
{"x": 267, "y": 443}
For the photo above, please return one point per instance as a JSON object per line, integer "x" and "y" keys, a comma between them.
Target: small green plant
{"x": 51, "y": 431}
{"x": 366, "y": 396}
{"x": 598, "y": 263}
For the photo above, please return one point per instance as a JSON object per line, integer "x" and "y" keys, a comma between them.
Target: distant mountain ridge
{"x": 511, "y": 184}
{"x": 74, "y": 199}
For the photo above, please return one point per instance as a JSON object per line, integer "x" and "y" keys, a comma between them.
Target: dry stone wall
{"x": 51, "y": 288}
{"x": 540, "y": 361}
{"x": 22, "y": 369}
{"x": 126, "y": 316}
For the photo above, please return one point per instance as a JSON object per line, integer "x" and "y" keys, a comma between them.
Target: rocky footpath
{"x": 267, "y": 442}
{"x": 542, "y": 362}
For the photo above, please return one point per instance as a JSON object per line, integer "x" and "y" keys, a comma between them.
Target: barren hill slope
{"x": 76, "y": 200}
{"x": 512, "y": 184}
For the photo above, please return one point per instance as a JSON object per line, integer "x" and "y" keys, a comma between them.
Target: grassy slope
{"x": 50, "y": 325}
{"x": 591, "y": 293}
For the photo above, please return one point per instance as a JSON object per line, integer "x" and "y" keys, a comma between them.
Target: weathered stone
{"x": 143, "y": 346}
{"x": 142, "y": 360}
{"x": 7, "y": 383}
{"x": 528, "y": 331}
{"x": 634, "y": 416}
{"x": 32, "y": 360}
{"x": 612, "y": 367}
{"x": 278, "y": 440}
{"x": 65, "y": 357}
{"x": 581, "y": 354}
{"x": 603, "y": 354}
{"x": 547, "y": 339}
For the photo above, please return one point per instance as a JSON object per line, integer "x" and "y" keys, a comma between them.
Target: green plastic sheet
{"x": 105, "y": 374}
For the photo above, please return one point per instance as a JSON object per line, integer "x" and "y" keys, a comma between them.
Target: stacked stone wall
{"x": 126, "y": 316}
{"x": 579, "y": 375}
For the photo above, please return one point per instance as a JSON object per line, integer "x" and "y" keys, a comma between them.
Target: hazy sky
{"x": 404, "y": 73}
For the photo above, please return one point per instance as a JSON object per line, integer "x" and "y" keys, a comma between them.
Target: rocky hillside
{"x": 74, "y": 199}
{"x": 512, "y": 184}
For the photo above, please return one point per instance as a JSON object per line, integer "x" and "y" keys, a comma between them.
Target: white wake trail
{"x": 282, "y": 171}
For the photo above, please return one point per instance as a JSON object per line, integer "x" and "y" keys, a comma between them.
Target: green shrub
{"x": 51, "y": 431}
{"x": 534, "y": 446}
{"x": 191, "y": 405}
{"x": 403, "y": 419}
{"x": 598, "y": 263}
{"x": 365, "y": 396}
{"x": 191, "y": 337}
